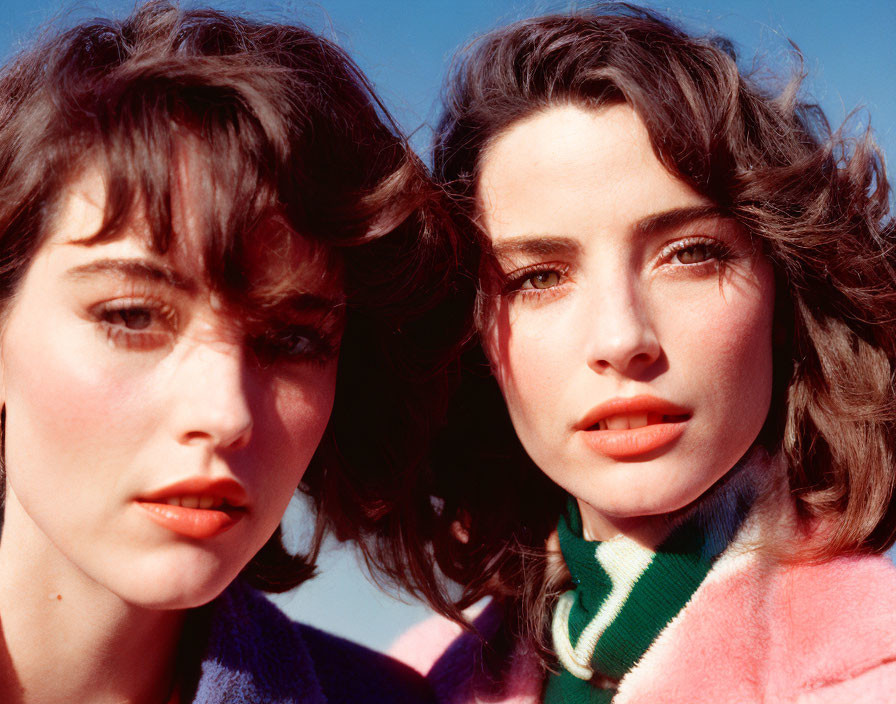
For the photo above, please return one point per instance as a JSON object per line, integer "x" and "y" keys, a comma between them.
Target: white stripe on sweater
{"x": 624, "y": 561}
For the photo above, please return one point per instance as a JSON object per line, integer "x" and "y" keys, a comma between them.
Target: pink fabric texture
{"x": 451, "y": 660}
{"x": 754, "y": 631}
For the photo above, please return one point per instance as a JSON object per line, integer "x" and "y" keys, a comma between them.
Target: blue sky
{"x": 405, "y": 47}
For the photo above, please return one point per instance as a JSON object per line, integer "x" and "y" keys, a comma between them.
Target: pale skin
{"x": 619, "y": 281}
{"x": 123, "y": 374}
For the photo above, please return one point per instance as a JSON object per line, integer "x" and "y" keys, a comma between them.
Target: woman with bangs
{"x": 671, "y": 461}
{"x": 210, "y": 233}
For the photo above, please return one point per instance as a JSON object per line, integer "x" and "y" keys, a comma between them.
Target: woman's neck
{"x": 66, "y": 638}
{"x": 647, "y": 531}
{"x": 729, "y": 497}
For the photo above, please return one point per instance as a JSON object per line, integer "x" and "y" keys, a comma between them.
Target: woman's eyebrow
{"x": 539, "y": 245}
{"x": 676, "y": 217}
{"x": 546, "y": 245}
{"x": 134, "y": 268}
{"x": 303, "y": 302}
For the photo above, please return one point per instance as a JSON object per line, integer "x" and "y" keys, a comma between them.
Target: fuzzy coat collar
{"x": 255, "y": 654}
{"x": 754, "y": 631}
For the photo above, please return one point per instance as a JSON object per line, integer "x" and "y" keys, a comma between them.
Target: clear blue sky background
{"x": 405, "y": 47}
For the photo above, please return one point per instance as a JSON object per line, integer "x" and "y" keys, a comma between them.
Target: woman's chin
{"x": 173, "y": 584}
{"x": 167, "y": 596}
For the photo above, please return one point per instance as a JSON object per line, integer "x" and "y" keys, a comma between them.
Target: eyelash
{"x": 717, "y": 253}
{"x": 136, "y": 339}
{"x": 278, "y": 344}
{"x": 514, "y": 282}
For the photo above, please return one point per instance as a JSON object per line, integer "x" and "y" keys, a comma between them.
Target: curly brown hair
{"x": 288, "y": 132}
{"x": 815, "y": 201}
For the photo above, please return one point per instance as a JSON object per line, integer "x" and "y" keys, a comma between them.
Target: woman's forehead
{"x": 269, "y": 259}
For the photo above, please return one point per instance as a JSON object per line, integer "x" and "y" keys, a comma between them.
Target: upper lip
{"x": 228, "y": 490}
{"x": 633, "y": 404}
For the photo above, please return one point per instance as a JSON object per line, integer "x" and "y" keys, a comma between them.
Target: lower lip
{"x": 196, "y": 523}
{"x": 625, "y": 444}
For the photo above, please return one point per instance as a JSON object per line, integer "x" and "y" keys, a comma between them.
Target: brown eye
{"x": 544, "y": 279}
{"x": 131, "y": 318}
{"x": 695, "y": 254}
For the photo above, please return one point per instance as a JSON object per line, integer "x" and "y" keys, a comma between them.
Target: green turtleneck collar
{"x": 625, "y": 594}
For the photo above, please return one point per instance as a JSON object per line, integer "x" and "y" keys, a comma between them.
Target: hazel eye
{"x": 543, "y": 279}
{"x": 531, "y": 281}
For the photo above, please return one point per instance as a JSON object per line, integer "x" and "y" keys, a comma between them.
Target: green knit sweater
{"x": 624, "y": 594}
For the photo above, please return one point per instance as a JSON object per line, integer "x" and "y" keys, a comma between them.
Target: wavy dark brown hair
{"x": 816, "y": 203}
{"x": 291, "y": 142}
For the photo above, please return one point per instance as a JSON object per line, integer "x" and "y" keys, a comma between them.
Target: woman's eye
{"x": 542, "y": 279}
{"x": 692, "y": 252}
{"x": 296, "y": 344}
{"x": 695, "y": 254}
{"x": 130, "y": 318}
{"x": 137, "y": 325}
{"x": 531, "y": 280}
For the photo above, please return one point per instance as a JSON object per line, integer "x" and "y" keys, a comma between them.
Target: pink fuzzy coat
{"x": 754, "y": 631}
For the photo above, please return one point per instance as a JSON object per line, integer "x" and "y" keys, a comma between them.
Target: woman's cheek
{"x": 523, "y": 359}
{"x": 501, "y": 345}
{"x": 728, "y": 340}
{"x": 303, "y": 405}
{"x": 289, "y": 425}
{"x": 67, "y": 388}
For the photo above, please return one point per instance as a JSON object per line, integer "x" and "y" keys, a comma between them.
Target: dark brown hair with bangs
{"x": 285, "y": 140}
{"x": 816, "y": 202}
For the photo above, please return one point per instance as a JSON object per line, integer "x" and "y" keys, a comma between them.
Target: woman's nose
{"x": 621, "y": 331}
{"x": 211, "y": 402}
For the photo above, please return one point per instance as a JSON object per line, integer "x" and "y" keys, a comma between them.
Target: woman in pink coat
{"x": 671, "y": 461}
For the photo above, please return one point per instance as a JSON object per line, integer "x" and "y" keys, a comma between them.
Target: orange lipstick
{"x": 198, "y": 508}
{"x": 625, "y": 428}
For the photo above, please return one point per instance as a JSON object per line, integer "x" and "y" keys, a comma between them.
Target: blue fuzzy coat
{"x": 255, "y": 655}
